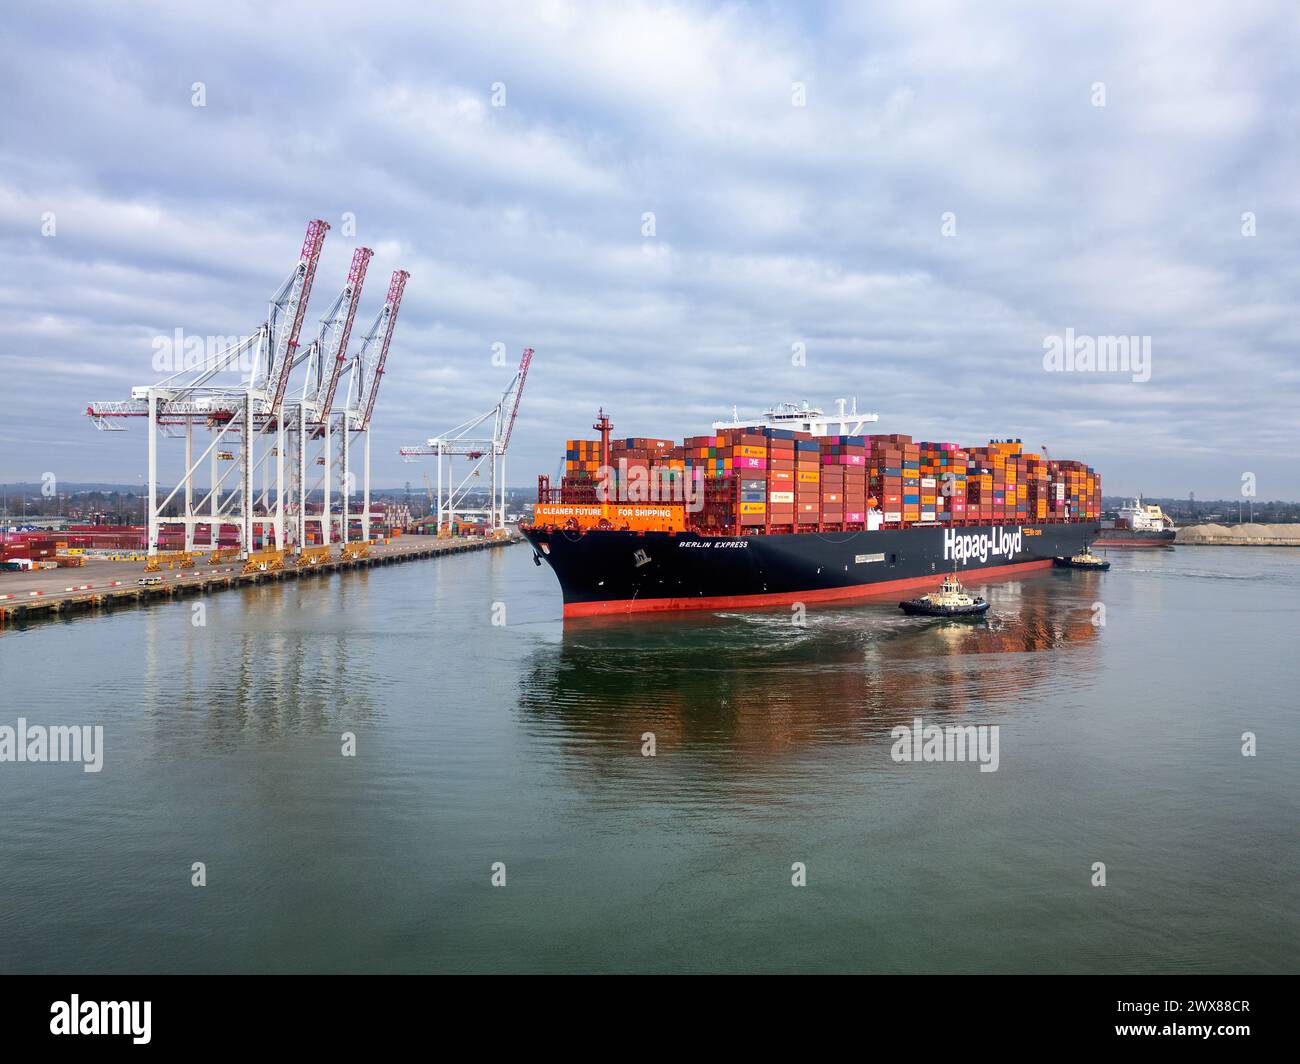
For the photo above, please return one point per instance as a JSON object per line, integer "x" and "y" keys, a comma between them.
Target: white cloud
{"x": 775, "y": 223}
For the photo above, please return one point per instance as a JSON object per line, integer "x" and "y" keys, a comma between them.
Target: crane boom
{"x": 524, "y": 363}
{"x": 394, "y": 301}
{"x": 352, "y": 290}
{"x": 295, "y": 301}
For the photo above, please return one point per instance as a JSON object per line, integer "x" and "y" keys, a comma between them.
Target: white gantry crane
{"x": 311, "y": 418}
{"x": 260, "y": 426}
{"x": 365, "y": 370}
{"x": 467, "y": 440}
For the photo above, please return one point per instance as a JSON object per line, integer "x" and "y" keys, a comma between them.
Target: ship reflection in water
{"x": 754, "y": 682}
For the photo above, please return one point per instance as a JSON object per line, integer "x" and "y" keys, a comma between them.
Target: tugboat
{"x": 951, "y": 600}
{"x": 1086, "y": 560}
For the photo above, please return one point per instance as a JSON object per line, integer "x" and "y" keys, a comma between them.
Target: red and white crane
{"x": 465, "y": 441}
{"x": 336, "y": 332}
{"x": 366, "y": 369}
{"x": 287, "y": 311}
{"x": 310, "y": 420}
{"x": 240, "y": 391}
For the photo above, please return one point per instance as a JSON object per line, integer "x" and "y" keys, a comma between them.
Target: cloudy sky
{"x": 920, "y": 194}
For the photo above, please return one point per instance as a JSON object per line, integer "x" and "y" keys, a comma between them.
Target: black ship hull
{"x": 604, "y": 572}
{"x": 1128, "y": 537}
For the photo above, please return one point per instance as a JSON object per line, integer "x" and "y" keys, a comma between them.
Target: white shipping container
{"x": 893, "y": 517}
{"x": 780, "y": 496}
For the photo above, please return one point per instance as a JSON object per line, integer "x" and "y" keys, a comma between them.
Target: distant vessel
{"x": 951, "y": 600}
{"x": 1137, "y": 524}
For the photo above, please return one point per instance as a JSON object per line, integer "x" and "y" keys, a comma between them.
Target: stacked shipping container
{"x": 638, "y": 462}
{"x": 895, "y": 478}
{"x": 762, "y": 478}
{"x": 1081, "y": 490}
{"x": 581, "y": 464}
{"x": 739, "y": 488}
{"x": 844, "y": 466}
{"x": 582, "y": 459}
{"x": 944, "y": 471}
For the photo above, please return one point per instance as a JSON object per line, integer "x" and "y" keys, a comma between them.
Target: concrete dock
{"x": 101, "y": 584}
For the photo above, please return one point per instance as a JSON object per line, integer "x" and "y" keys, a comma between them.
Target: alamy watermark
{"x": 36, "y": 743}
{"x": 179, "y": 352}
{"x": 956, "y": 742}
{"x": 1073, "y": 353}
{"x": 102, "y": 1017}
{"x": 624, "y": 482}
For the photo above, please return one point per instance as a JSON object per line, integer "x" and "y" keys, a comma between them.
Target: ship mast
{"x": 603, "y": 425}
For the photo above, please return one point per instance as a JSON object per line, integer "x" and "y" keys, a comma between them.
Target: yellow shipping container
{"x": 753, "y": 507}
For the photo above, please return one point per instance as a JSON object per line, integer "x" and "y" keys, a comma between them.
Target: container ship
{"x": 794, "y": 506}
{"x": 1137, "y": 524}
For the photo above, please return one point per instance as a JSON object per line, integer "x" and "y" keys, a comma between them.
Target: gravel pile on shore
{"x": 1245, "y": 534}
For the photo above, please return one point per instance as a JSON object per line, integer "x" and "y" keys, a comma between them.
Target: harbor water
{"x": 492, "y": 742}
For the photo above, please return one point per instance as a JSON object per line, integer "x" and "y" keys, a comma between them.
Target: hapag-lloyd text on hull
{"x": 997, "y": 543}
